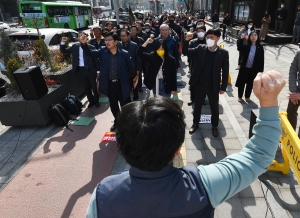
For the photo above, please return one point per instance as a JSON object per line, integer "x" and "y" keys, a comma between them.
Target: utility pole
{"x": 117, "y": 10}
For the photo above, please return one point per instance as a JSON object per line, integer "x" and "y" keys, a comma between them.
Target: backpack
{"x": 72, "y": 104}
{"x": 59, "y": 116}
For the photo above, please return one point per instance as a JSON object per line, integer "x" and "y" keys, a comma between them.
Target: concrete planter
{"x": 71, "y": 81}
{"x": 31, "y": 113}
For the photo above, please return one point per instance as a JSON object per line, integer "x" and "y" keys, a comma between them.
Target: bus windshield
{"x": 32, "y": 8}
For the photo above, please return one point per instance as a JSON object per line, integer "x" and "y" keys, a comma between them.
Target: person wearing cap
{"x": 87, "y": 67}
{"x": 226, "y": 22}
{"x": 98, "y": 39}
{"x": 200, "y": 31}
{"x": 148, "y": 30}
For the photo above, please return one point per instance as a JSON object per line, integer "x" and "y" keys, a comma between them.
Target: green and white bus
{"x": 60, "y": 14}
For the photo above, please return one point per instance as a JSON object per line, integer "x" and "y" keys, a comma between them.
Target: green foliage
{"x": 8, "y": 50}
{"x": 12, "y": 65}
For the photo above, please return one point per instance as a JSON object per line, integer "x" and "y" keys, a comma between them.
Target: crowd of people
{"x": 116, "y": 61}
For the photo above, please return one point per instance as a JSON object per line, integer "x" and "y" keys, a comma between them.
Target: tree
{"x": 190, "y": 5}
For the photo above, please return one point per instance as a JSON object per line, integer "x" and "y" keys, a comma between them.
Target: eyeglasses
{"x": 108, "y": 40}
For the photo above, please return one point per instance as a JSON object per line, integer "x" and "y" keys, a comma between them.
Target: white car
{"x": 4, "y": 25}
{"x": 25, "y": 39}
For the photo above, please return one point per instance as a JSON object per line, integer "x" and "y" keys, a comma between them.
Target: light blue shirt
{"x": 251, "y": 56}
{"x": 227, "y": 177}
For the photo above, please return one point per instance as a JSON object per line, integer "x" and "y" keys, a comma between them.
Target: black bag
{"x": 59, "y": 116}
{"x": 72, "y": 104}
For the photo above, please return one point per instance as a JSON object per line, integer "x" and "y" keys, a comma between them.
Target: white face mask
{"x": 249, "y": 26}
{"x": 121, "y": 26}
{"x": 200, "y": 34}
{"x": 210, "y": 43}
{"x": 147, "y": 30}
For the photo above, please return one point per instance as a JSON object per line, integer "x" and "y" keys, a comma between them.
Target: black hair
{"x": 156, "y": 45}
{"x": 201, "y": 20}
{"x": 139, "y": 22}
{"x": 215, "y": 32}
{"x": 149, "y": 133}
{"x": 126, "y": 31}
{"x": 105, "y": 30}
{"x": 135, "y": 26}
{"x": 108, "y": 23}
{"x": 257, "y": 41}
{"x": 113, "y": 35}
{"x": 201, "y": 27}
{"x": 248, "y": 22}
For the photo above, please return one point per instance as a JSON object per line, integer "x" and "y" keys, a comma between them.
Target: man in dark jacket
{"x": 215, "y": 20}
{"x": 140, "y": 32}
{"x": 226, "y": 22}
{"x": 132, "y": 48}
{"x": 116, "y": 66}
{"x": 296, "y": 31}
{"x": 200, "y": 30}
{"x": 280, "y": 16}
{"x": 210, "y": 60}
{"x": 148, "y": 30}
{"x": 98, "y": 39}
{"x": 87, "y": 67}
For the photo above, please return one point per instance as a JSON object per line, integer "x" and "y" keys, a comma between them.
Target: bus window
{"x": 70, "y": 11}
{"x": 31, "y": 8}
{"x": 50, "y": 11}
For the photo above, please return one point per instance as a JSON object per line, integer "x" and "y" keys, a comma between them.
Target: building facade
{"x": 240, "y": 11}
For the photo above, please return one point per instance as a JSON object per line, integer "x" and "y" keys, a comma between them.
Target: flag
{"x": 131, "y": 18}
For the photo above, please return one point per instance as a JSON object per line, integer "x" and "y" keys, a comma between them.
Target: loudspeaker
{"x": 31, "y": 82}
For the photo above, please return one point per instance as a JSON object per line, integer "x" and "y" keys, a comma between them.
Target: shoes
{"x": 190, "y": 103}
{"x": 240, "y": 100}
{"x": 140, "y": 89}
{"x": 247, "y": 99}
{"x": 215, "y": 132}
{"x": 97, "y": 104}
{"x": 113, "y": 127}
{"x": 91, "y": 104}
{"x": 193, "y": 128}
{"x": 292, "y": 43}
{"x": 238, "y": 67}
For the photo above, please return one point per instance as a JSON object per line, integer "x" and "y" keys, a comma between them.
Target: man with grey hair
{"x": 171, "y": 43}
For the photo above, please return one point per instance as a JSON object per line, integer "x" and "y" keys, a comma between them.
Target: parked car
{"x": 25, "y": 39}
{"x": 4, "y": 25}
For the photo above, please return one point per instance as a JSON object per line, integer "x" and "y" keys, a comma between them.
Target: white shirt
{"x": 249, "y": 31}
{"x": 81, "y": 60}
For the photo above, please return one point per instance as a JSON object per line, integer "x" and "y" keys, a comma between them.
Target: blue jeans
{"x": 161, "y": 89}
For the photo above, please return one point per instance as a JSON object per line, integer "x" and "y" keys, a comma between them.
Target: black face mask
{"x": 171, "y": 21}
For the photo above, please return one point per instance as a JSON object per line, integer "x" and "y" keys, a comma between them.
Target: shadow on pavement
{"x": 98, "y": 168}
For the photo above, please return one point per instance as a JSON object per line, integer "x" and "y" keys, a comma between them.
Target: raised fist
{"x": 189, "y": 36}
{"x": 64, "y": 39}
{"x": 149, "y": 40}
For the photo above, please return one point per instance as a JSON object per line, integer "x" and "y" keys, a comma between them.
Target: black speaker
{"x": 31, "y": 82}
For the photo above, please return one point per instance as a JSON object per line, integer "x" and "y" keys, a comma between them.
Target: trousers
{"x": 89, "y": 84}
{"x": 279, "y": 26}
{"x": 213, "y": 102}
{"x": 296, "y": 34}
{"x": 292, "y": 114}
{"x": 115, "y": 97}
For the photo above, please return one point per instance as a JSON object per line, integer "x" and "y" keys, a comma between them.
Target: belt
{"x": 114, "y": 80}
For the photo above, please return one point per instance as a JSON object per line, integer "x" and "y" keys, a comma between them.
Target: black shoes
{"x": 91, "y": 104}
{"x": 113, "y": 127}
{"x": 190, "y": 103}
{"x": 193, "y": 128}
{"x": 215, "y": 132}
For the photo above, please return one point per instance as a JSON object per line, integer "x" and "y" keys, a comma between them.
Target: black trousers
{"x": 247, "y": 74}
{"x": 279, "y": 26}
{"x": 213, "y": 102}
{"x": 224, "y": 31}
{"x": 89, "y": 84}
{"x": 115, "y": 97}
{"x": 240, "y": 57}
{"x": 292, "y": 115}
{"x": 134, "y": 90}
{"x": 192, "y": 93}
